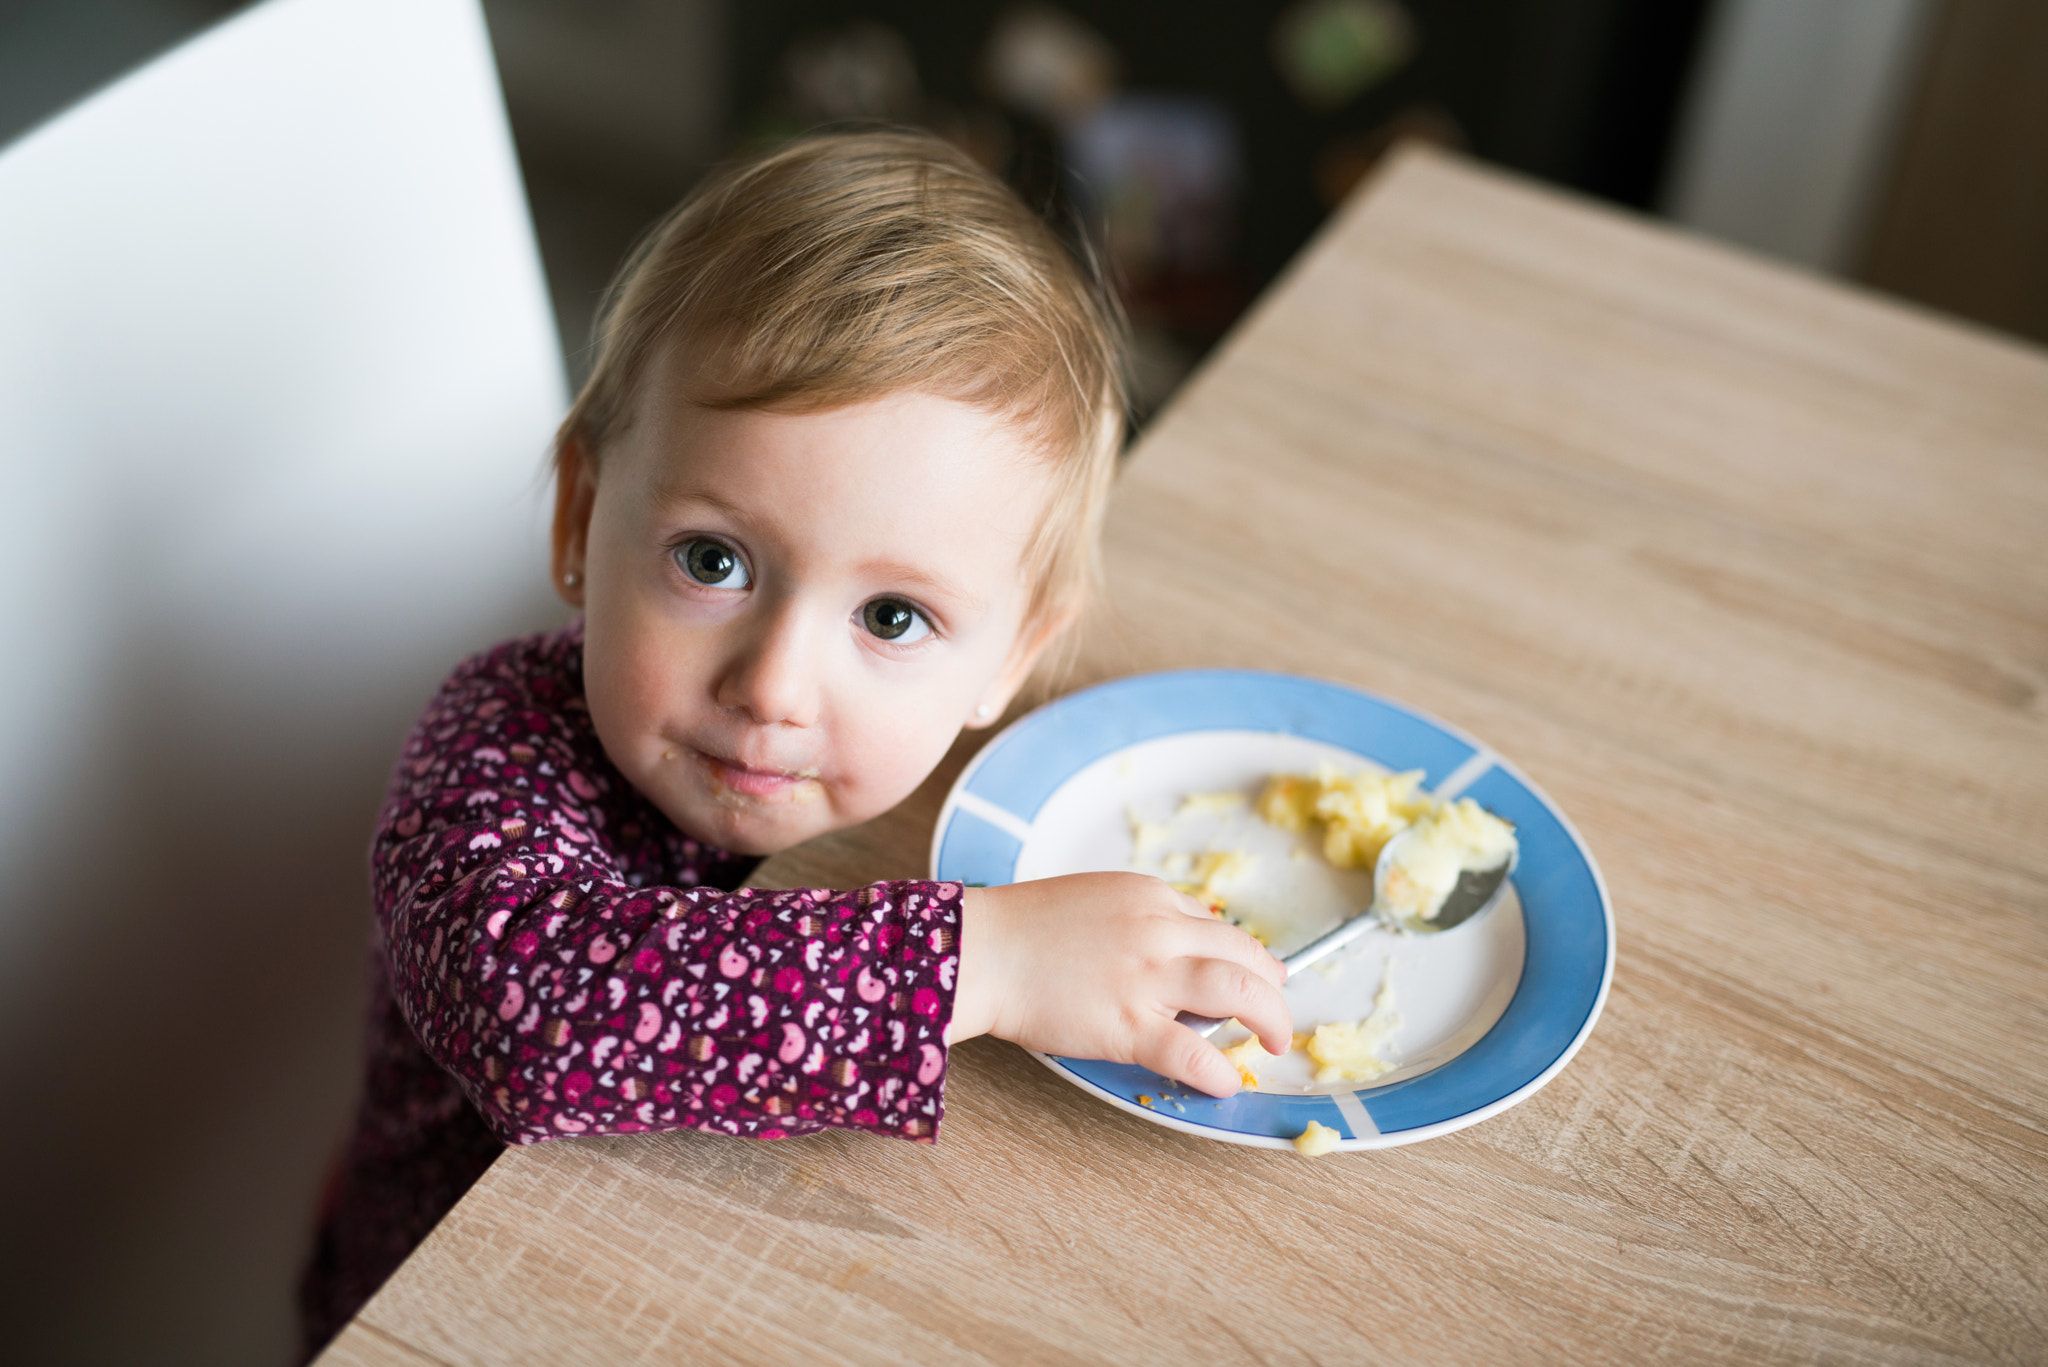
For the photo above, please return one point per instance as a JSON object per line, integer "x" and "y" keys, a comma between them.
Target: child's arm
{"x": 566, "y": 1000}
{"x": 1097, "y": 965}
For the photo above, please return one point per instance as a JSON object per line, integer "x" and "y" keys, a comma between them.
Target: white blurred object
{"x": 277, "y": 376}
{"x": 1790, "y": 123}
{"x": 276, "y": 367}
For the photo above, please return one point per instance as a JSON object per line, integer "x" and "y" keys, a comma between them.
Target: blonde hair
{"x": 848, "y": 265}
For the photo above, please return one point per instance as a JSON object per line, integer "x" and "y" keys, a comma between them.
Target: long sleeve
{"x": 550, "y": 945}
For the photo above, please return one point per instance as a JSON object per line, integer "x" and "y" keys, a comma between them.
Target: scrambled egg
{"x": 1455, "y": 836}
{"x": 1359, "y": 812}
{"x": 1315, "y": 1141}
{"x": 1344, "y": 1052}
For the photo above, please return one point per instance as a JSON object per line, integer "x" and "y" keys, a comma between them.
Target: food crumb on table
{"x": 1315, "y": 1141}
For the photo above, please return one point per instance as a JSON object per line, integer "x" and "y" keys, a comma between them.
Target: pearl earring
{"x": 571, "y": 579}
{"x": 981, "y": 712}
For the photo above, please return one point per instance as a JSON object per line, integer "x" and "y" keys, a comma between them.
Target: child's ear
{"x": 575, "y": 495}
{"x": 1032, "y": 643}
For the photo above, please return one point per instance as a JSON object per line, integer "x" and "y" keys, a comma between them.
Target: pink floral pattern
{"x": 554, "y": 958}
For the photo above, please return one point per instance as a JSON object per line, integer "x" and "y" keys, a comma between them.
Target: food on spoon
{"x": 1315, "y": 1141}
{"x": 1454, "y": 837}
{"x": 1347, "y": 1052}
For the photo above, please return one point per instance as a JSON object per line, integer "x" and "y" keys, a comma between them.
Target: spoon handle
{"x": 1332, "y": 942}
{"x": 1343, "y": 935}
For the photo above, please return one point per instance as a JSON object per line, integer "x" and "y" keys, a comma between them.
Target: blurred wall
{"x": 617, "y": 108}
{"x": 277, "y": 372}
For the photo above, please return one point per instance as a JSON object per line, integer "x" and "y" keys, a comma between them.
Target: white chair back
{"x": 277, "y": 373}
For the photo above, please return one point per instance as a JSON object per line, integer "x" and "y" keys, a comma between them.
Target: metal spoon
{"x": 1477, "y": 892}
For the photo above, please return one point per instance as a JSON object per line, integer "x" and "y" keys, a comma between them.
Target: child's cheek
{"x": 895, "y": 754}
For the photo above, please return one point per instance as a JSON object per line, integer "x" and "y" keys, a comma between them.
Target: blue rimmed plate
{"x": 1491, "y": 1012}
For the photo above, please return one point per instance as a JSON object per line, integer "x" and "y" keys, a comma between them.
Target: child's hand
{"x": 1096, "y": 965}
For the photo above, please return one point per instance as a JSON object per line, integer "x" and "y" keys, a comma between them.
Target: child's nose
{"x": 773, "y": 674}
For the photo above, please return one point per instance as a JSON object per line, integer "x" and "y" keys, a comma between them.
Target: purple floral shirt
{"x": 554, "y": 963}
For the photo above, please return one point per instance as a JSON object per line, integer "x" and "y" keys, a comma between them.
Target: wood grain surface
{"x": 1747, "y": 571}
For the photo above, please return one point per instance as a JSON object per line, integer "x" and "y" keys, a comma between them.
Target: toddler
{"x": 831, "y": 491}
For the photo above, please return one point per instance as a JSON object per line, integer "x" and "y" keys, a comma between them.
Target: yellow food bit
{"x": 1144, "y": 1100}
{"x": 1315, "y": 1141}
{"x": 1344, "y": 1056}
{"x": 1246, "y": 1056}
{"x": 1287, "y": 801}
{"x": 1359, "y": 813}
{"x": 1211, "y": 868}
{"x": 1344, "y": 1052}
{"x": 1196, "y": 803}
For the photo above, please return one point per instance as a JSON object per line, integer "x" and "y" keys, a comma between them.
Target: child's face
{"x": 789, "y": 617}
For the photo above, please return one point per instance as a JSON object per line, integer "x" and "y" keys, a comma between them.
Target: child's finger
{"x": 1222, "y": 990}
{"x": 1172, "y": 1050}
{"x": 1220, "y": 941}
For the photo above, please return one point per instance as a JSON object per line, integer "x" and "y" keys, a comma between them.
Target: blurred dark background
{"x": 1902, "y": 144}
{"x": 1898, "y": 142}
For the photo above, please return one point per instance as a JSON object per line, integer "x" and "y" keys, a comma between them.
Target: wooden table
{"x": 1751, "y": 573}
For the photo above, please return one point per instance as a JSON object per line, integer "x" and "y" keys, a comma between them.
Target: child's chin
{"x": 745, "y": 825}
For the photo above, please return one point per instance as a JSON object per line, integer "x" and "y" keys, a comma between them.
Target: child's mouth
{"x": 742, "y": 781}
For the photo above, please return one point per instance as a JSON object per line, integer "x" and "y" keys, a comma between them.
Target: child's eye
{"x": 712, "y": 563}
{"x": 892, "y": 619}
